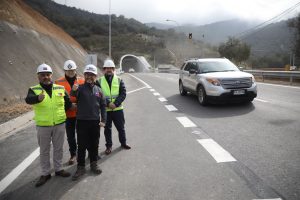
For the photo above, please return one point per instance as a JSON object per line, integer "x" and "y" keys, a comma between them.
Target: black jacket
{"x": 90, "y": 102}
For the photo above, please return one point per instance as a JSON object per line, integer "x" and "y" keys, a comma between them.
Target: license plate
{"x": 238, "y": 92}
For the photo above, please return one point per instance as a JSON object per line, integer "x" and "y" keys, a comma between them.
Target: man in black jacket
{"x": 90, "y": 104}
{"x": 114, "y": 90}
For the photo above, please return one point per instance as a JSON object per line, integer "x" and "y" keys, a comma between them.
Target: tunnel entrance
{"x": 131, "y": 63}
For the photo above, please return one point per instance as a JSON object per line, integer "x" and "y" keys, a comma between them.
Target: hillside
{"x": 28, "y": 39}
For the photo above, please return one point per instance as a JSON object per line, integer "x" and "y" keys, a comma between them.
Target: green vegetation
{"x": 234, "y": 50}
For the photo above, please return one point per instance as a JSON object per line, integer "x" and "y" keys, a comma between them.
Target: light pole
{"x": 109, "y": 31}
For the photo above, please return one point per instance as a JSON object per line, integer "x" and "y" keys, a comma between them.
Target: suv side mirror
{"x": 193, "y": 71}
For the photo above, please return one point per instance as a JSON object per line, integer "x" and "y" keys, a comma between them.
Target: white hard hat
{"x": 90, "y": 68}
{"x": 70, "y": 65}
{"x": 43, "y": 68}
{"x": 109, "y": 63}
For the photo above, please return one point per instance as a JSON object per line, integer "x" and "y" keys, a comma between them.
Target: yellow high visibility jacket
{"x": 111, "y": 93}
{"x": 51, "y": 111}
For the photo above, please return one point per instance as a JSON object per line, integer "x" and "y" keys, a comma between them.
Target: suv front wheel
{"x": 202, "y": 98}
{"x": 182, "y": 91}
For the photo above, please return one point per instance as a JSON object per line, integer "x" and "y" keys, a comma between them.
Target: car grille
{"x": 236, "y": 83}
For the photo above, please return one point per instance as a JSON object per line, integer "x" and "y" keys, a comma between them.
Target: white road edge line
{"x": 146, "y": 84}
{"x": 287, "y": 86}
{"x": 216, "y": 151}
{"x": 136, "y": 90}
{"x": 18, "y": 170}
{"x": 269, "y": 199}
{"x": 261, "y": 100}
{"x": 186, "y": 122}
{"x": 162, "y": 99}
{"x": 171, "y": 108}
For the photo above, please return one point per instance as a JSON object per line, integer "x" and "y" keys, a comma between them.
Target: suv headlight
{"x": 253, "y": 79}
{"x": 214, "y": 81}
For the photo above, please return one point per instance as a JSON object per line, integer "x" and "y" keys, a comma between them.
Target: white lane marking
{"x": 156, "y": 94}
{"x": 269, "y": 199}
{"x": 136, "y": 90}
{"x": 152, "y": 90}
{"x": 146, "y": 84}
{"x": 18, "y": 170}
{"x": 261, "y": 100}
{"x": 216, "y": 151}
{"x": 186, "y": 122}
{"x": 162, "y": 99}
{"x": 287, "y": 86}
{"x": 171, "y": 108}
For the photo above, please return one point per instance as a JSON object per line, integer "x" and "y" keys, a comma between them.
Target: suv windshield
{"x": 216, "y": 66}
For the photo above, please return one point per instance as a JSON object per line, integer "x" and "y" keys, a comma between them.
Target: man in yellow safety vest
{"x": 49, "y": 101}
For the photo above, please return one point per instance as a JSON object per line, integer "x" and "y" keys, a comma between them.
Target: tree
{"x": 234, "y": 50}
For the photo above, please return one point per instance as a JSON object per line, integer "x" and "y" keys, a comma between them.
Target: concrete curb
{"x": 16, "y": 124}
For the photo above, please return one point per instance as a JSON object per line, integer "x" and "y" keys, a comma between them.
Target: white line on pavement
{"x": 156, "y": 94}
{"x": 261, "y": 100}
{"x": 136, "y": 90}
{"x": 216, "y": 151}
{"x": 269, "y": 199}
{"x": 287, "y": 86}
{"x": 152, "y": 90}
{"x": 186, "y": 122}
{"x": 171, "y": 108}
{"x": 18, "y": 170}
{"x": 162, "y": 99}
{"x": 146, "y": 84}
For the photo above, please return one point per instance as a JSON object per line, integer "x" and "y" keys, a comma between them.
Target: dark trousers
{"x": 88, "y": 135}
{"x": 70, "y": 129}
{"x": 119, "y": 121}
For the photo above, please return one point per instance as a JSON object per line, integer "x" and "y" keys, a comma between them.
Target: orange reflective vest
{"x": 63, "y": 81}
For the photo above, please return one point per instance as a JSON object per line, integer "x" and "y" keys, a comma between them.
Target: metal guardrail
{"x": 291, "y": 75}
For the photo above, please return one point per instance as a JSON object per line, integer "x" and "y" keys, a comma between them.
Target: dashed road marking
{"x": 269, "y": 199}
{"x": 162, "y": 99}
{"x": 152, "y": 90}
{"x": 171, "y": 108}
{"x": 261, "y": 100}
{"x": 186, "y": 122}
{"x": 156, "y": 94}
{"x": 216, "y": 151}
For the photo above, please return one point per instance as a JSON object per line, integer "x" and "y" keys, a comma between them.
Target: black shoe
{"x": 62, "y": 173}
{"x": 79, "y": 172}
{"x": 108, "y": 150}
{"x": 42, "y": 180}
{"x": 125, "y": 146}
{"x": 95, "y": 168}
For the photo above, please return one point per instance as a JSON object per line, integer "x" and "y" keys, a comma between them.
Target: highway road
{"x": 180, "y": 150}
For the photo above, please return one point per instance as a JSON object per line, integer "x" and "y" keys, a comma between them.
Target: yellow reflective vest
{"x": 111, "y": 93}
{"x": 50, "y": 111}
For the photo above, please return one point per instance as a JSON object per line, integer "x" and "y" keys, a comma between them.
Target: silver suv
{"x": 216, "y": 79}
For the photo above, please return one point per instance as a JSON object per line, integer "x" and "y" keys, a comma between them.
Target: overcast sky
{"x": 187, "y": 11}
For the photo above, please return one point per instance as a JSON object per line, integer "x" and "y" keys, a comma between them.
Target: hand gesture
{"x": 111, "y": 105}
{"x": 75, "y": 87}
{"x": 41, "y": 96}
{"x": 102, "y": 124}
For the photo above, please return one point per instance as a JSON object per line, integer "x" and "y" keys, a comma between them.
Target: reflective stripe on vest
{"x": 63, "y": 81}
{"x": 111, "y": 93}
{"x": 50, "y": 111}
